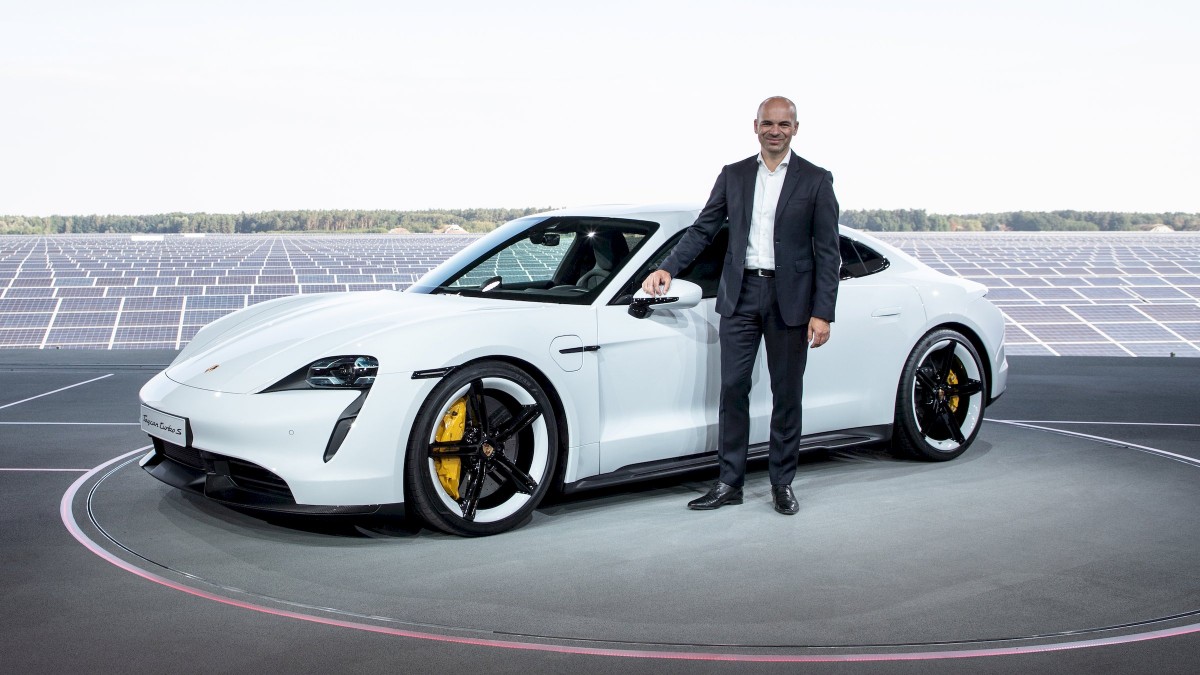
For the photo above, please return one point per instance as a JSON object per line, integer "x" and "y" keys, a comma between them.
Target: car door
{"x": 851, "y": 380}
{"x": 659, "y": 377}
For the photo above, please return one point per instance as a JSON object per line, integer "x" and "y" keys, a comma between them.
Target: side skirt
{"x": 678, "y": 465}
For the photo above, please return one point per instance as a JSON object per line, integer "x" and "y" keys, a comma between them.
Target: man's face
{"x": 775, "y": 126}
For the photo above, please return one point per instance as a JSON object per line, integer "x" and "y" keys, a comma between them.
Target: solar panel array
{"x": 109, "y": 291}
{"x": 1062, "y": 293}
{"x": 1080, "y": 294}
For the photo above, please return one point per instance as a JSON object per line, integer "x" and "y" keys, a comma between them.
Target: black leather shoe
{"x": 785, "y": 500}
{"x": 720, "y": 495}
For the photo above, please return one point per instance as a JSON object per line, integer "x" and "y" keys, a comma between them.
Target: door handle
{"x": 886, "y": 311}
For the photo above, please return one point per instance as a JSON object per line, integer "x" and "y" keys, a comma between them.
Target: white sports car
{"x": 532, "y": 361}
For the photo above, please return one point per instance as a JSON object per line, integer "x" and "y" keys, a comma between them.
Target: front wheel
{"x": 939, "y": 403}
{"x": 482, "y": 452}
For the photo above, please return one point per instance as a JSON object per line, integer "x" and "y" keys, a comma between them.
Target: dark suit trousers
{"x": 756, "y": 317}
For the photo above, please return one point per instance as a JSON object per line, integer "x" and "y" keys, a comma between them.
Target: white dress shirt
{"x": 760, "y": 250}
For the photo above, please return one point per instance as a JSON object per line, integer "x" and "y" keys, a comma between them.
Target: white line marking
{"x": 1130, "y": 424}
{"x": 1114, "y": 441}
{"x": 36, "y": 470}
{"x": 79, "y": 424}
{"x": 68, "y": 519}
{"x": 69, "y": 386}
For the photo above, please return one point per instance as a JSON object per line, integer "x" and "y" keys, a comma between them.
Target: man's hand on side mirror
{"x": 658, "y": 283}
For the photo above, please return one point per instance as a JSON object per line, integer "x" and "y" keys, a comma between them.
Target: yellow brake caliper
{"x": 450, "y": 429}
{"x": 953, "y": 402}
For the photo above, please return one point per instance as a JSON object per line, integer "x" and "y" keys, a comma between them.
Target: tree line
{"x": 348, "y": 221}
{"x": 917, "y": 220}
{"x": 484, "y": 220}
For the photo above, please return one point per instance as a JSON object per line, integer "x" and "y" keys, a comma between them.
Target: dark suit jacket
{"x": 807, "y": 256}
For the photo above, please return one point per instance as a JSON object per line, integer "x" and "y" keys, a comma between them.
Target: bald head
{"x": 777, "y": 101}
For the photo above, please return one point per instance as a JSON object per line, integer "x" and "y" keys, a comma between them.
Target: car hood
{"x": 251, "y": 349}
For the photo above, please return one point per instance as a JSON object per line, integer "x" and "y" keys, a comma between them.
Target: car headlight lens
{"x": 332, "y": 372}
{"x": 343, "y": 372}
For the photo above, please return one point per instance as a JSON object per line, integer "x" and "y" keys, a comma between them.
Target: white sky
{"x": 125, "y": 107}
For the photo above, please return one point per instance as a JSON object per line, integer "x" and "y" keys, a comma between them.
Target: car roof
{"x": 628, "y": 210}
{"x": 678, "y": 215}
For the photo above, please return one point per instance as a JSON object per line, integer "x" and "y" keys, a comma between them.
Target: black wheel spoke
{"x": 476, "y": 407}
{"x": 474, "y": 486}
{"x": 522, "y": 481}
{"x": 968, "y": 388}
{"x": 951, "y": 424}
{"x": 517, "y": 424}
{"x": 452, "y": 449}
{"x": 926, "y": 375}
{"x": 945, "y": 359}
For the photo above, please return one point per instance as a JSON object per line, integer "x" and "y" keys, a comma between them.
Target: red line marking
{"x": 68, "y": 519}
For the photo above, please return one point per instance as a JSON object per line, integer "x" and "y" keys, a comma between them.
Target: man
{"x": 779, "y": 283}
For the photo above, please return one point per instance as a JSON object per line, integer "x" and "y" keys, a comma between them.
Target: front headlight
{"x": 343, "y": 372}
{"x": 332, "y": 372}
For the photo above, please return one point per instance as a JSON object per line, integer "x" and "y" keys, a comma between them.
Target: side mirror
{"x": 544, "y": 238}
{"x": 682, "y": 295}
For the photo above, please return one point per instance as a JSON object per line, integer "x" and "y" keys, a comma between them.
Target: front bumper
{"x": 267, "y": 450}
{"x": 232, "y": 481}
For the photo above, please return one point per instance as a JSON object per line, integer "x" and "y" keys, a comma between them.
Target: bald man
{"x": 779, "y": 283}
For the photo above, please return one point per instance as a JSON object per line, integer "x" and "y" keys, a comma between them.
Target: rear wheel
{"x": 482, "y": 452}
{"x": 939, "y": 404}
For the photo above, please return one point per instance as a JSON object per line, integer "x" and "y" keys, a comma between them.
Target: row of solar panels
{"x": 1106, "y": 294}
{"x": 1078, "y": 294}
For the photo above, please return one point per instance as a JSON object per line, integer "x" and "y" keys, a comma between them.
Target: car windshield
{"x": 564, "y": 259}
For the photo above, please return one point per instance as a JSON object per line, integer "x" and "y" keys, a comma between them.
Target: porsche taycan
{"x": 531, "y": 361}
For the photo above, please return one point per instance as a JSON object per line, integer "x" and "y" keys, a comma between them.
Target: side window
{"x": 705, "y": 270}
{"x": 563, "y": 259}
{"x": 521, "y": 262}
{"x": 860, "y": 260}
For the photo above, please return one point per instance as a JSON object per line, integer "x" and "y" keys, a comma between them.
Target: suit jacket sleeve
{"x": 700, "y": 234}
{"x": 827, "y": 256}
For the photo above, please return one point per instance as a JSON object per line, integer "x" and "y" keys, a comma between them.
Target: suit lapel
{"x": 749, "y": 180}
{"x": 790, "y": 180}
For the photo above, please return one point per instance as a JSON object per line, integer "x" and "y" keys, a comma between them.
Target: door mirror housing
{"x": 682, "y": 294}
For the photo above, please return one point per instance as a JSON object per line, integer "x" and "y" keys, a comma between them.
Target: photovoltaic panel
{"x": 1062, "y": 293}
{"x": 1116, "y": 278}
{"x": 1187, "y": 331}
{"x": 1162, "y": 349}
{"x": 1161, "y": 293}
{"x": 84, "y": 319}
{"x": 25, "y": 320}
{"x": 1099, "y": 313}
{"x": 1136, "y": 332}
{"x": 1175, "y": 312}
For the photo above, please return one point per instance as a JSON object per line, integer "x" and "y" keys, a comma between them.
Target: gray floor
{"x": 1032, "y": 539}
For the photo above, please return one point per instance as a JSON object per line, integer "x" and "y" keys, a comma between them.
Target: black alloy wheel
{"x": 482, "y": 452}
{"x": 940, "y": 400}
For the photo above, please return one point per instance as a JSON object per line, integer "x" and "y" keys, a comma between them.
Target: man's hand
{"x": 659, "y": 282}
{"x": 818, "y": 332}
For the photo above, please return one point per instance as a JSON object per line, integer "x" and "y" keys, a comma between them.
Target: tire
{"x": 940, "y": 399}
{"x": 506, "y": 449}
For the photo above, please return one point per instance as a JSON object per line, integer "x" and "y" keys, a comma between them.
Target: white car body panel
{"x": 647, "y": 392}
{"x": 659, "y": 379}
